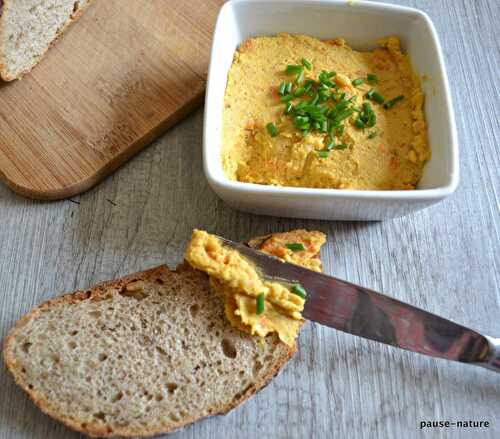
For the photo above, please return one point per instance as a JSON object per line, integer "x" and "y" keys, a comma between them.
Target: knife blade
{"x": 366, "y": 313}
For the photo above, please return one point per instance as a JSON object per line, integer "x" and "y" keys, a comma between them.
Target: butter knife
{"x": 363, "y": 312}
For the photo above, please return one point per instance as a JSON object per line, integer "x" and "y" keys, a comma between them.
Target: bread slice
{"x": 145, "y": 354}
{"x": 28, "y": 28}
{"x": 139, "y": 356}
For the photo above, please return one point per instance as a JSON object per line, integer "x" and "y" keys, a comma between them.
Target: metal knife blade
{"x": 363, "y": 312}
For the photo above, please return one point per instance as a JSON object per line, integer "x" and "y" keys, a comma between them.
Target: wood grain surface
{"x": 120, "y": 76}
{"x": 443, "y": 259}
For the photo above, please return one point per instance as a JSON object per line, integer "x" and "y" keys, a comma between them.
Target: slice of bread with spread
{"x": 142, "y": 355}
{"x": 28, "y": 28}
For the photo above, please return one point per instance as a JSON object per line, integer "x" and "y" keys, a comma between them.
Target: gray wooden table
{"x": 444, "y": 259}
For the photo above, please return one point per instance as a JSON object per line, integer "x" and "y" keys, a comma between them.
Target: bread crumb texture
{"x": 28, "y": 28}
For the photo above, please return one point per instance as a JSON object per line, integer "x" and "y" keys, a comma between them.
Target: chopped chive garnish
{"x": 297, "y": 288}
{"x": 300, "y": 77}
{"x": 308, "y": 85}
{"x": 327, "y": 107}
{"x": 378, "y": 98}
{"x": 300, "y": 106}
{"x": 299, "y": 92}
{"x": 341, "y": 106}
{"x": 372, "y": 135}
{"x": 390, "y": 104}
{"x": 306, "y": 64}
{"x": 374, "y": 96}
{"x": 358, "y": 123}
{"x": 343, "y": 115}
{"x": 292, "y": 69}
{"x": 340, "y": 146}
{"x": 295, "y": 246}
{"x": 314, "y": 100}
{"x": 271, "y": 129}
{"x": 260, "y": 304}
{"x": 371, "y": 119}
{"x": 286, "y": 98}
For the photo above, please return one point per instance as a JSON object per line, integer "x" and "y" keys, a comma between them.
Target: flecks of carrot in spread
{"x": 250, "y": 125}
{"x": 247, "y": 45}
{"x": 381, "y": 148}
{"x": 394, "y": 162}
{"x": 281, "y": 252}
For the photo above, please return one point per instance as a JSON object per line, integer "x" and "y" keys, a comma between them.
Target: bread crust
{"x": 98, "y": 292}
{"x": 4, "y": 76}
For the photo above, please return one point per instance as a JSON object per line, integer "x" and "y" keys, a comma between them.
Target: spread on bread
{"x": 252, "y": 303}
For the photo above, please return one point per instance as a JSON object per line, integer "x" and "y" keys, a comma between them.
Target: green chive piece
{"x": 299, "y": 92}
{"x": 369, "y": 93}
{"x": 306, "y": 64}
{"x": 324, "y": 79}
{"x": 292, "y": 69}
{"x": 271, "y": 129}
{"x": 300, "y": 77}
{"x": 323, "y": 154}
{"x": 340, "y": 146}
{"x": 260, "y": 304}
{"x": 357, "y": 82}
{"x": 302, "y": 122}
{"x": 372, "y": 119}
{"x": 372, "y": 135}
{"x": 295, "y": 246}
{"x": 390, "y": 104}
{"x": 371, "y": 78}
{"x": 300, "y": 106}
{"x": 323, "y": 94}
{"x": 289, "y": 86}
{"x": 341, "y": 106}
{"x": 324, "y": 126}
{"x": 288, "y": 108}
{"x": 358, "y": 123}
{"x": 286, "y": 98}
{"x": 378, "y": 98}
{"x": 282, "y": 89}
{"x": 330, "y": 145}
{"x": 308, "y": 85}
{"x": 315, "y": 100}
{"x": 343, "y": 114}
{"x": 299, "y": 289}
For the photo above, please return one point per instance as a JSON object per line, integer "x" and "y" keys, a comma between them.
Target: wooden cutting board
{"x": 119, "y": 77}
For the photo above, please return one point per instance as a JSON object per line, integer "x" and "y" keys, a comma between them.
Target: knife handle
{"x": 492, "y": 360}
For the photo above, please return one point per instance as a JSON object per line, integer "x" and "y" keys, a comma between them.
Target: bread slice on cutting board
{"x": 139, "y": 356}
{"x": 28, "y": 28}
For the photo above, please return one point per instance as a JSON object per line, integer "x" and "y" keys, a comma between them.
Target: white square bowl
{"x": 361, "y": 23}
